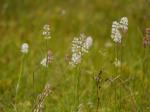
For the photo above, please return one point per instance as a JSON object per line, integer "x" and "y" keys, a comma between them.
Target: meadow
{"x": 43, "y": 70}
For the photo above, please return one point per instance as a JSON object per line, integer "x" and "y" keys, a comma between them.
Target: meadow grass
{"x": 124, "y": 90}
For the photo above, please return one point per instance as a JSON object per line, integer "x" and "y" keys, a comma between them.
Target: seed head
{"x": 39, "y": 107}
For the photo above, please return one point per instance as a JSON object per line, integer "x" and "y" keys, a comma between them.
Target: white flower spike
{"x": 80, "y": 46}
{"x": 46, "y": 32}
{"x": 117, "y": 27}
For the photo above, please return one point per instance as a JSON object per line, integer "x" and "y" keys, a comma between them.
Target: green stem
{"x": 46, "y": 69}
{"x": 121, "y": 60}
{"x": 33, "y": 81}
{"x": 19, "y": 79}
{"x": 78, "y": 85}
{"x": 116, "y": 73}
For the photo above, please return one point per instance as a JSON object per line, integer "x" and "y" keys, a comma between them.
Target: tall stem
{"x": 46, "y": 47}
{"x": 78, "y": 85}
{"x": 116, "y": 73}
{"x": 121, "y": 60}
{"x": 33, "y": 82}
{"x": 19, "y": 79}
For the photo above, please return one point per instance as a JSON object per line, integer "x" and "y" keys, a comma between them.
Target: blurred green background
{"x": 23, "y": 20}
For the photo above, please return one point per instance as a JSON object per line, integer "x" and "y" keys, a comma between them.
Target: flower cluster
{"x": 124, "y": 24}
{"x": 118, "y": 28}
{"x": 80, "y": 46}
{"x": 48, "y": 59}
{"x": 46, "y": 31}
{"x": 25, "y": 48}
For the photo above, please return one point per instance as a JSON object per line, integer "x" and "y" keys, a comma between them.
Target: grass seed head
{"x": 39, "y": 107}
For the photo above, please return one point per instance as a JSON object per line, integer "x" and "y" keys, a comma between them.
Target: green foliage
{"x": 22, "y": 21}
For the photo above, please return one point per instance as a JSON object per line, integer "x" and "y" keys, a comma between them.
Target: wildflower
{"x": 115, "y": 34}
{"x": 76, "y": 59}
{"x": 46, "y": 32}
{"x": 117, "y": 63}
{"x": 25, "y": 48}
{"x": 48, "y": 59}
{"x": 80, "y": 46}
{"x": 124, "y": 24}
{"x": 117, "y": 27}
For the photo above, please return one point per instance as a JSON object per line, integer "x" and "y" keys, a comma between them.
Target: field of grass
{"x": 95, "y": 85}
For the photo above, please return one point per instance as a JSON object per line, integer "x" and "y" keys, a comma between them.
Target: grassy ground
{"x": 23, "y": 20}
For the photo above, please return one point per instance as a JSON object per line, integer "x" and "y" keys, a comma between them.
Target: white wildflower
{"x": 117, "y": 27}
{"x": 115, "y": 34}
{"x": 117, "y": 63}
{"x": 75, "y": 59}
{"x": 25, "y": 48}
{"x": 124, "y": 24}
{"x": 80, "y": 46}
{"x": 46, "y": 31}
